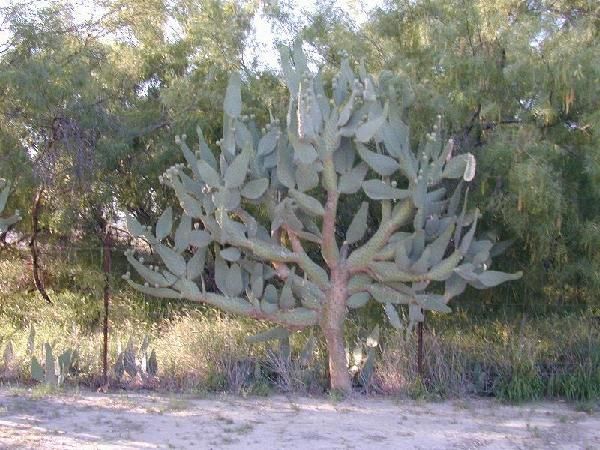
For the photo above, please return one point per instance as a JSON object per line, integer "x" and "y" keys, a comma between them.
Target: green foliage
{"x": 580, "y": 385}
{"x": 84, "y": 114}
{"x": 515, "y": 85}
{"x": 517, "y": 89}
{"x": 580, "y": 381}
{"x": 521, "y": 383}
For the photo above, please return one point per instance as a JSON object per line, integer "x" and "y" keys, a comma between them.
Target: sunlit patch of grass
{"x": 44, "y": 390}
{"x": 175, "y": 404}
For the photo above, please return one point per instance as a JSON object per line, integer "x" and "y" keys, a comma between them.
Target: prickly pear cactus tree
{"x": 353, "y": 144}
{"x": 8, "y": 221}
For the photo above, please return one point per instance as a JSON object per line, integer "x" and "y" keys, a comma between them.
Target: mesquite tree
{"x": 254, "y": 211}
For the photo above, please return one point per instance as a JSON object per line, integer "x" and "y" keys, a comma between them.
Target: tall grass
{"x": 512, "y": 357}
{"x": 553, "y": 357}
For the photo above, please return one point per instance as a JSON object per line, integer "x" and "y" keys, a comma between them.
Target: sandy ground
{"x": 136, "y": 421}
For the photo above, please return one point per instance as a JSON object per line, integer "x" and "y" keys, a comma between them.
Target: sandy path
{"x": 134, "y": 421}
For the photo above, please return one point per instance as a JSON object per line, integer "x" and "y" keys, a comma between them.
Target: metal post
{"x": 420, "y": 348}
{"x": 107, "y": 260}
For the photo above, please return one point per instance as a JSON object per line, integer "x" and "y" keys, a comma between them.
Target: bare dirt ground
{"x": 141, "y": 420}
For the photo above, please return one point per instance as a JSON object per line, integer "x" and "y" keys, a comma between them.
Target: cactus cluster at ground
{"x": 55, "y": 370}
{"x": 6, "y": 222}
{"x": 128, "y": 362}
{"x": 353, "y": 144}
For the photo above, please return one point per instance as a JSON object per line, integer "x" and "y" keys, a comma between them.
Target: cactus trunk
{"x": 332, "y": 324}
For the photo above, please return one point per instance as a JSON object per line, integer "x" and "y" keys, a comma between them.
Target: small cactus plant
{"x": 56, "y": 369}
{"x": 353, "y": 144}
{"x": 7, "y": 369}
{"x": 128, "y": 362}
{"x": 8, "y": 221}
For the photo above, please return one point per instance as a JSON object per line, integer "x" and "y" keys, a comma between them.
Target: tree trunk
{"x": 35, "y": 216}
{"x": 332, "y": 324}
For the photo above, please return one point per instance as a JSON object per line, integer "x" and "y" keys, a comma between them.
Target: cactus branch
{"x": 312, "y": 269}
{"x": 295, "y": 317}
{"x": 361, "y": 257}
{"x": 279, "y": 254}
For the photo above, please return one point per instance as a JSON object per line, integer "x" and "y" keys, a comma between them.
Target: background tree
{"x": 516, "y": 84}
{"x": 299, "y": 176}
{"x": 89, "y": 103}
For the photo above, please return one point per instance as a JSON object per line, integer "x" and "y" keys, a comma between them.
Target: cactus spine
{"x": 354, "y": 141}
